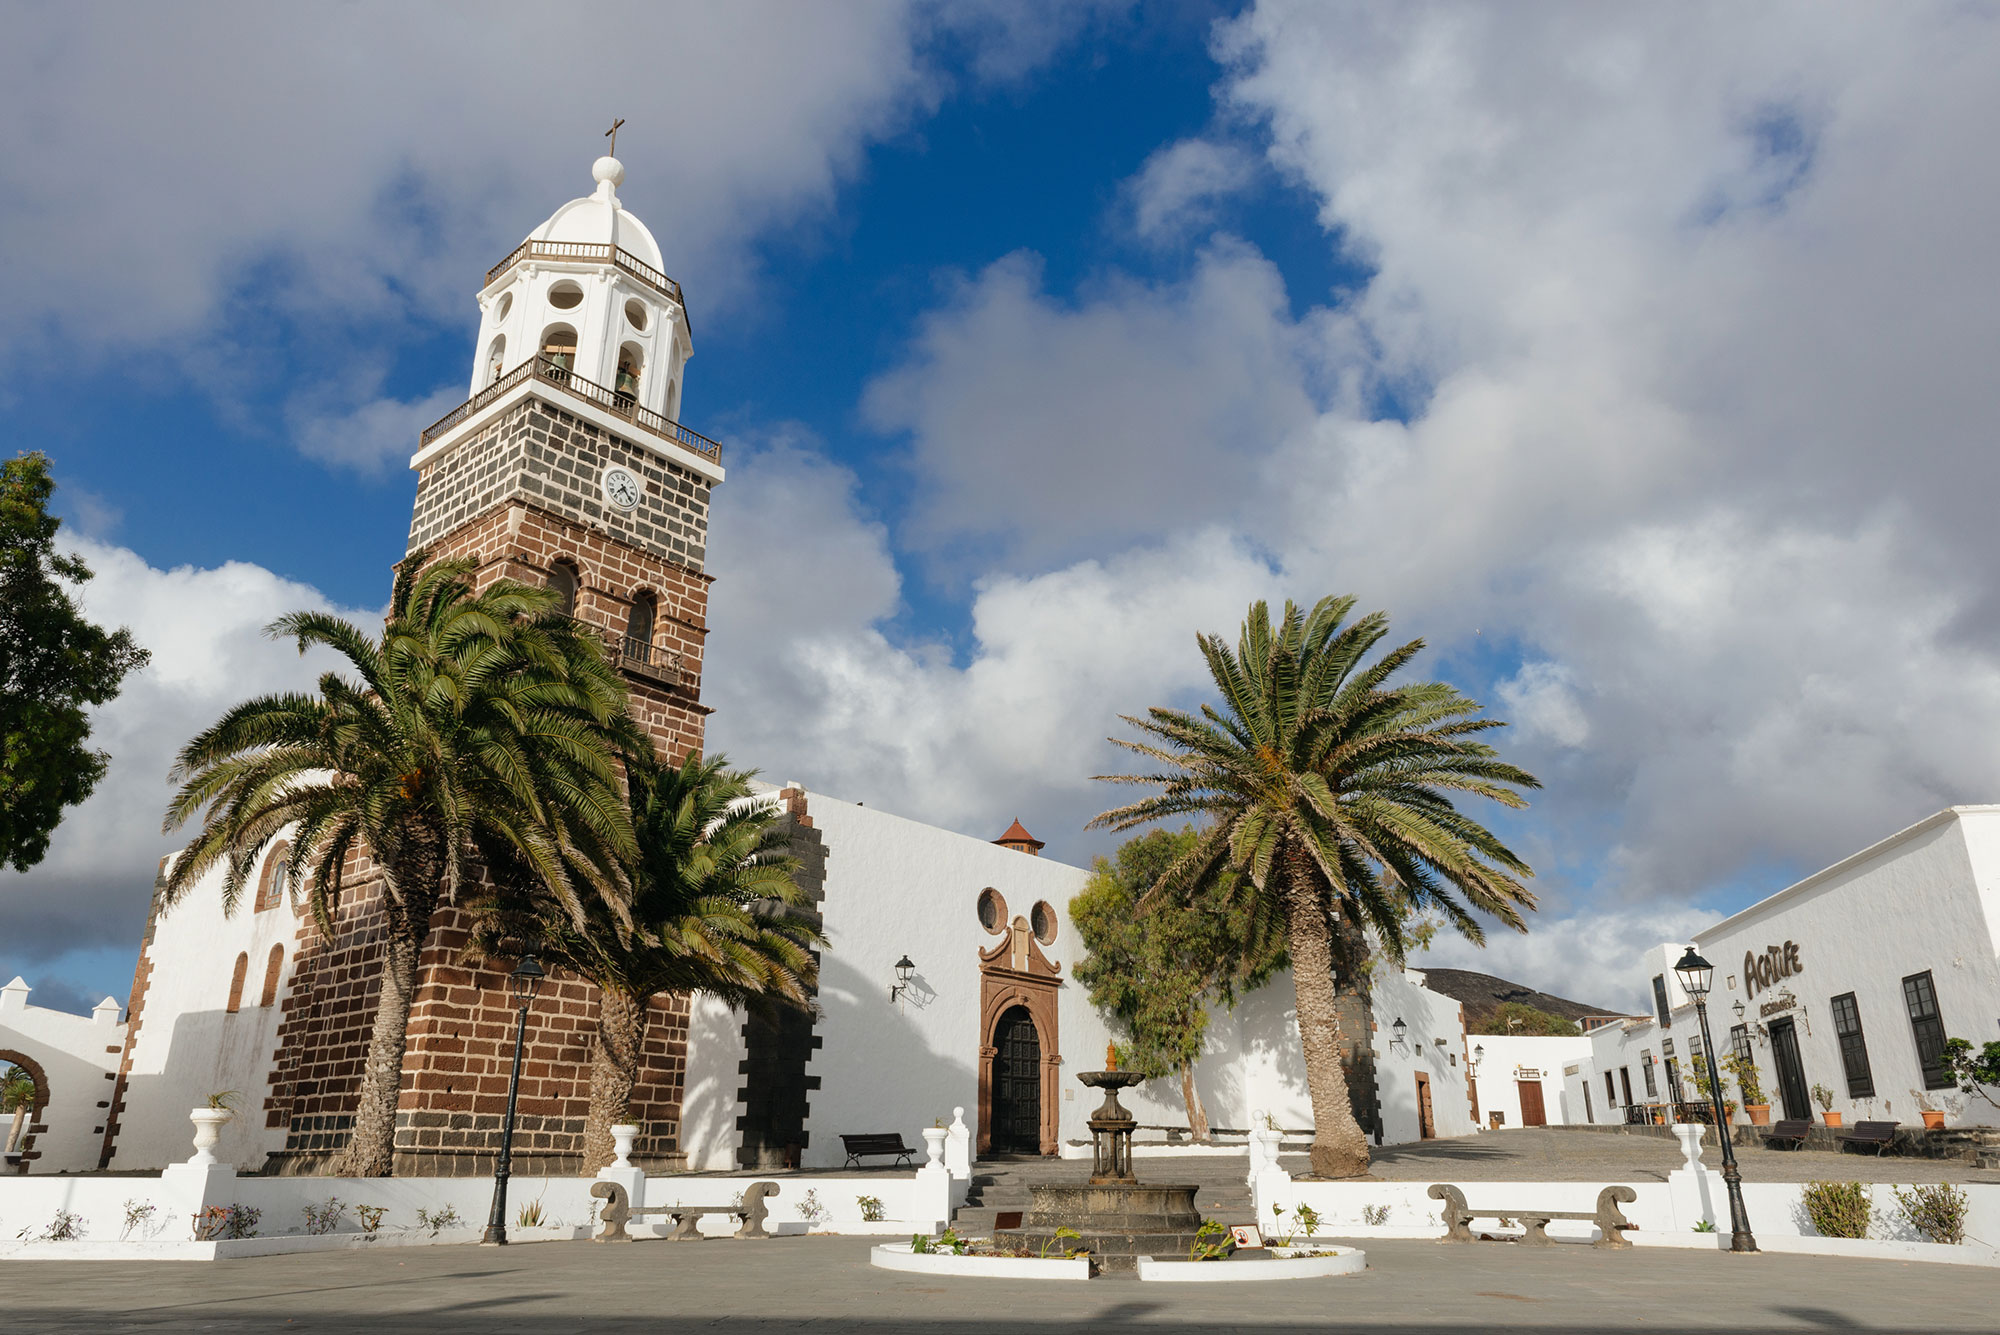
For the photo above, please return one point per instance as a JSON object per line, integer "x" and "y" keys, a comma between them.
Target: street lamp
{"x": 905, "y": 970}
{"x": 1696, "y": 974}
{"x": 522, "y": 984}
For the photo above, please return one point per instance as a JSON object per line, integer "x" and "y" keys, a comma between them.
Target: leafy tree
{"x": 17, "y": 1096}
{"x": 479, "y": 726}
{"x": 1328, "y": 792}
{"x": 1974, "y": 1071}
{"x": 55, "y": 666}
{"x": 1156, "y": 972}
{"x": 1518, "y": 1017}
{"x": 714, "y": 908}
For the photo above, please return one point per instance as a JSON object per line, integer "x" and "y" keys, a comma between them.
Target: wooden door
{"x": 1017, "y": 1084}
{"x": 1532, "y": 1112}
{"x": 1426, "y": 1127}
{"x": 1792, "y": 1092}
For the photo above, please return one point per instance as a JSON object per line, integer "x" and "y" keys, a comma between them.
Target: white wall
{"x": 1430, "y": 1016}
{"x": 76, "y": 1053}
{"x": 1511, "y": 1060}
{"x": 188, "y": 1046}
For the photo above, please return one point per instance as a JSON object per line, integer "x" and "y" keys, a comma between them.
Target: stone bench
{"x": 1610, "y": 1220}
{"x": 687, "y": 1218}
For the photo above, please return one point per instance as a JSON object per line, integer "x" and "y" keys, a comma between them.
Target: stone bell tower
{"x": 567, "y": 466}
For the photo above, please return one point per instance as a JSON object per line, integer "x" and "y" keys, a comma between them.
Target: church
{"x": 945, "y": 983}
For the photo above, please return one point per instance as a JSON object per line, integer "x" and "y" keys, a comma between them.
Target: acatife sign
{"x": 1765, "y": 970}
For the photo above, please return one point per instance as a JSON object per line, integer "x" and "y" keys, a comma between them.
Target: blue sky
{"x": 1617, "y": 356}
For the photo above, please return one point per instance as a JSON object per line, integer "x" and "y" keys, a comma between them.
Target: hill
{"x": 1482, "y": 994}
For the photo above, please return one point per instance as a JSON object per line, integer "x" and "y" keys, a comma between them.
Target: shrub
{"x": 221, "y": 1223}
{"x": 370, "y": 1216}
{"x": 325, "y": 1218}
{"x": 810, "y": 1209}
{"x": 1937, "y": 1212}
{"x": 1211, "y": 1242}
{"x": 1308, "y": 1219}
{"x": 1060, "y": 1240}
{"x": 919, "y": 1243}
{"x": 137, "y": 1216}
{"x": 871, "y": 1207}
{"x": 437, "y": 1221}
{"x": 529, "y": 1215}
{"x": 67, "y": 1226}
{"x": 1374, "y": 1215}
{"x": 1837, "y": 1209}
{"x": 1705, "y": 1226}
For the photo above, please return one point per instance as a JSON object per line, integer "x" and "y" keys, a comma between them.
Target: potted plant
{"x": 1824, "y": 1097}
{"x": 1932, "y": 1114}
{"x": 1750, "y": 1085}
{"x": 208, "y": 1123}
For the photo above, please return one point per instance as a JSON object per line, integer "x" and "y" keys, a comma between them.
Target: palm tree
{"x": 714, "y": 909}
{"x": 477, "y": 722}
{"x": 17, "y": 1096}
{"x": 1326, "y": 790}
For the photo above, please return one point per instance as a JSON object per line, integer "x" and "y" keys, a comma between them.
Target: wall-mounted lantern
{"x": 904, "y": 970}
{"x": 1738, "y": 1008}
{"x": 1399, "y": 1029}
{"x": 1478, "y": 1056}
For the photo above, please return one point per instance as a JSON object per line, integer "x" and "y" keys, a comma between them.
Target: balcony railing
{"x": 561, "y": 377}
{"x": 592, "y": 253}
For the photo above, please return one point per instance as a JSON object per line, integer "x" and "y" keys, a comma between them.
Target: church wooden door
{"x": 1017, "y": 1084}
{"x": 1532, "y": 1111}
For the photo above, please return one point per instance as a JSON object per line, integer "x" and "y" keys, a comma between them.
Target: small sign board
{"x": 1246, "y": 1235}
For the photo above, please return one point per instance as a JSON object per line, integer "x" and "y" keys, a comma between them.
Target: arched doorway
{"x": 1017, "y": 1084}
{"x": 26, "y": 1090}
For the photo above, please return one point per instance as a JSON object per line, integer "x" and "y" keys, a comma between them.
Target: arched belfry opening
{"x": 558, "y": 351}
{"x": 631, "y": 362}
{"x": 563, "y": 579}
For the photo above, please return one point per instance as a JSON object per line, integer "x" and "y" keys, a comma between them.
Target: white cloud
{"x": 1541, "y": 700}
{"x": 205, "y": 631}
{"x": 373, "y": 435}
{"x": 1585, "y": 957}
{"x": 1178, "y": 186}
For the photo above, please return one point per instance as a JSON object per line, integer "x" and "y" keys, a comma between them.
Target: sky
{"x": 1637, "y": 358}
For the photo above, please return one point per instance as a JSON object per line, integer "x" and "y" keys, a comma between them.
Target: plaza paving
{"x": 826, "y": 1285}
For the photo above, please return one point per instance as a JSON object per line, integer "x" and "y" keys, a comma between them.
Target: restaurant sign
{"x": 1763, "y": 971}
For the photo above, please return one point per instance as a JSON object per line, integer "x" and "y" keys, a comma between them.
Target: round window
{"x": 635, "y": 313}
{"x": 502, "y": 306}
{"x": 992, "y": 910}
{"x": 565, "y": 296}
{"x": 1042, "y": 921}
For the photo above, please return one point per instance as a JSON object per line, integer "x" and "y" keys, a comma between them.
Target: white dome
{"x": 599, "y": 219}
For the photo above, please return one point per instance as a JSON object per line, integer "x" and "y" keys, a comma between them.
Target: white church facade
{"x": 946, "y": 981}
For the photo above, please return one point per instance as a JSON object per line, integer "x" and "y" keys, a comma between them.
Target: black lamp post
{"x": 1696, "y": 974}
{"x": 522, "y": 984}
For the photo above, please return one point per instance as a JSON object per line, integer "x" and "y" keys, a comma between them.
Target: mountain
{"x": 1481, "y": 994}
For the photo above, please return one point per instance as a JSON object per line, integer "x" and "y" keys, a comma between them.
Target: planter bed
{"x": 898, "y": 1256}
{"x": 1280, "y": 1263}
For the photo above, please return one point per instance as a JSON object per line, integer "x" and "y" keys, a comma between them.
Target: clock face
{"x": 621, "y": 488}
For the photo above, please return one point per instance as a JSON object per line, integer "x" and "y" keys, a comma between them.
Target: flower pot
{"x": 622, "y": 1136}
{"x": 1832, "y": 1118}
{"x": 934, "y": 1145}
{"x": 1933, "y": 1121}
{"x": 207, "y": 1130}
{"x": 1760, "y": 1113}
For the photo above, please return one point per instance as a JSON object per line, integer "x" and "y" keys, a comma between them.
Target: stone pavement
{"x": 826, "y": 1285}
{"x": 1555, "y": 1155}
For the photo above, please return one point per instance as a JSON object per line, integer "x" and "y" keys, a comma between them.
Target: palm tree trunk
{"x": 371, "y": 1145}
{"x": 1338, "y": 1149}
{"x": 1197, "y": 1115}
{"x": 614, "y": 1070}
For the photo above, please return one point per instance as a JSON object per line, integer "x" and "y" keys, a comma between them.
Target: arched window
{"x": 639, "y": 629}
{"x": 630, "y": 362}
{"x": 496, "y": 358}
{"x": 271, "y": 972}
{"x": 673, "y": 400}
{"x": 271, "y": 885}
{"x": 558, "y": 351}
{"x": 236, "y": 983}
{"x": 563, "y": 579}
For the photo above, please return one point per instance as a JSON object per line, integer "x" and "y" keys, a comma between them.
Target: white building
{"x": 73, "y": 1060}
{"x": 1520, "y": 1079}
{"x": 1847, "y": 982}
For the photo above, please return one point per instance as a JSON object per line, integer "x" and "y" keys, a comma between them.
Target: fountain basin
{"x": 1118, "y": 1221}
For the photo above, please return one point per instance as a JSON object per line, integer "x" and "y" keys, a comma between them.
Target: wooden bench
{"x": 1790, "y": 1132}
{"x": 1879, "y": 1134}
{"x": 1610, "y": 1220}
{"x": 872, "y": 1143}
{"x": 687, "y": 1218}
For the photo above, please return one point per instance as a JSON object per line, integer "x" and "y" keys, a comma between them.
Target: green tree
{"x": 715, "y": 908}
{"x": 1327, "y": 789}
{"x": 17, "y": 1097}
{"x": 1155, "y": 973}
{"x": 1518, "y": 1017}
{"x": 55, "y": 667}
{"x": 479, "y": 726}
{"x": 1975, "y": 1069}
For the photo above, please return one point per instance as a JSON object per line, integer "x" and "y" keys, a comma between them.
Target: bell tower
{"x": 568, "y": 465}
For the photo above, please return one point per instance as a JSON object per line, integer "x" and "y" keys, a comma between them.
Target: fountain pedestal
{"x": 1118, "y": 1217}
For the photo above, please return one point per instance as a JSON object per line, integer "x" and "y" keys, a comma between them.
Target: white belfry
{"x": 586, "y": 292}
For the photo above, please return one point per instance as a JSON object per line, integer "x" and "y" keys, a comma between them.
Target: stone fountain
{"x": 1119, "y": 1217}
